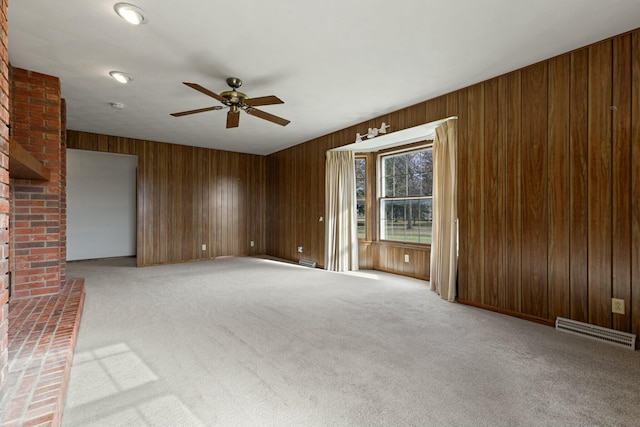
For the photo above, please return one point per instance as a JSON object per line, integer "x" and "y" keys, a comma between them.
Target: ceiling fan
{"x": 237, "y": 101}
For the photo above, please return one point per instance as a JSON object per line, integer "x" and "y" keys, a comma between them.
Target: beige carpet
{"x": 253, "y": 342}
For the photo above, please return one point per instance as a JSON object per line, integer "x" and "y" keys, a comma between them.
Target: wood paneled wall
{"x": 189, "y": 196}
{"x": 546, "y": 187}
{"x": 390, "y": 257}
{"x": 549, "y": 187}
{"x": 296, "y": 201}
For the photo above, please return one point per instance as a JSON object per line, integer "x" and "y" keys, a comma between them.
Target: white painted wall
{"x": 101, "y": 205}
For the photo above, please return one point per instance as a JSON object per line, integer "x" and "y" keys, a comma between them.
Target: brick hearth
{"x": 42, "y": 337}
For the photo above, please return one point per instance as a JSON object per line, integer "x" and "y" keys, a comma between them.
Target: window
{"x": 406, "y": 203}
{"x": 361, "y": 196}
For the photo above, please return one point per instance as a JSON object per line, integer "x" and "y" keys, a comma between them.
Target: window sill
{"x": 422, "y": 246}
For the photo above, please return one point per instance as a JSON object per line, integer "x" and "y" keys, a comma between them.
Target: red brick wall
{"x": 63, "y": 191}
{"x": 37, "y": 207}
{"x": 4, "y": 191}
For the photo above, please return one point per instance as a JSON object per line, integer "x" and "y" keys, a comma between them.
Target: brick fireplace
{"x": 38, "y": 224}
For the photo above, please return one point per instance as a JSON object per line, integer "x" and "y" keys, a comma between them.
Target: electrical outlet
{"x": 252, "y": 243}
{"x": 204, "y": 247}
{"x": 406, "y": 257}
{"x": 617, "y": 305}
{"x": 300, "y": 249}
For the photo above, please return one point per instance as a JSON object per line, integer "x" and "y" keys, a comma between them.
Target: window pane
{"x": 423, "y": 160}
{"x": 388, "y": 187}
{"x": 427, "y": 180}
{"x": 361, "y": 196}
{"x": 406, "y": 220}
{"x": 423, "y": 217}
{"x": 400, "y": 186}
{"x": 417, "y": 161}
{"x": 362, "y": 219}
{"x": 416, "y": 184}
{"x": 408, "y": 174}
{"x": 400, "y": 165}
{"x": 421, "y": 184}
{"x": 387, "y": 166}
{"x": 393, "y": 214}
{"x": 361, "y": 178}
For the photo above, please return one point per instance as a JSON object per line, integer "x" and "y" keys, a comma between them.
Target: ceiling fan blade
{"x": 266, "y": 116}
{"x": 233, "y": 119}
{"x": 263, "y": 100}
{"x": 199, "y": 110}
{"x": 205, "y": 91}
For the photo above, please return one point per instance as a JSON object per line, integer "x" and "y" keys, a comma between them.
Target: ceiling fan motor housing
{"x": 234, "y": 97}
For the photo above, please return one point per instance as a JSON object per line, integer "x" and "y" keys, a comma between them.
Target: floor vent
{"x": 599, "y": 333}
{"x": 307, "y": 263}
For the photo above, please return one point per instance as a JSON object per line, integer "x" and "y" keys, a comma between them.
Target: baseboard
{"x": 400, "y": 273}
{"x": 529, "y": 317}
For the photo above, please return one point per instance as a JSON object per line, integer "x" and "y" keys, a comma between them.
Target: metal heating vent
{"x": 307, "y": 263}
{"x": 599, "y": 333}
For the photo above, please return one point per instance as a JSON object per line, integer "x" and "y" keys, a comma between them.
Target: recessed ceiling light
{"x": 130, "y": 13}
{"x": 120, "y": 76}
{"x": 117, "y": 105}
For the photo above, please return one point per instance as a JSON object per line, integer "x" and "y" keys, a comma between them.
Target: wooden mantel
{"x": 22, "y": 164}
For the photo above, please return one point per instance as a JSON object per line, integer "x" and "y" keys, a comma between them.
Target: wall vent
{"x": 307, "y": 263}
{"x": 598, "y": 333}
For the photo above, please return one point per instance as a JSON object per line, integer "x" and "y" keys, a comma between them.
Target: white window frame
{"x": 380, "y": 197}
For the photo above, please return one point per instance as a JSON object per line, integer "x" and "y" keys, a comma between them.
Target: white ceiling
{"x": 334, "y": 63}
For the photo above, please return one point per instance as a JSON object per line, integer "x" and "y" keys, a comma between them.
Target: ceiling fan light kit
{"x": 236, "y": 101}
{"x": 131, "y": 13}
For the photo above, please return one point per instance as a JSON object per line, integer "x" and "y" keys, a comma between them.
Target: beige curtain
{"x": 444, "y": 246}
{"x": 341, "y": 242}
